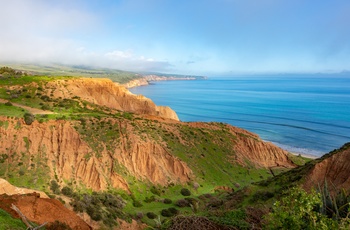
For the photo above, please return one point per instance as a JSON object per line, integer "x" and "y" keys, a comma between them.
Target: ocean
{"x": 307, "y": 114}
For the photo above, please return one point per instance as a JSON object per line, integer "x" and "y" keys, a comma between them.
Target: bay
{"x": 308, "y": 114}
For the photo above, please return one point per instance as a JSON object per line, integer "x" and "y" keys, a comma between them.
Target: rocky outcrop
{"x": 249, "y": 147}
{"x": 136, "y": 83}
{"x": 72, "y": 159}
{"x": 333, "y": 168}
{"x": 106, "y": 93}
{"x": 41, "y": 210}
{"x": 9, "y": 189}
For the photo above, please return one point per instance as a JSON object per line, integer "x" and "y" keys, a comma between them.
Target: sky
{"x": 210, "y": 37}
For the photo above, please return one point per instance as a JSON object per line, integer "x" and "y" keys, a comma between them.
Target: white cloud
{"x": 117, "y": 54}
{"x": 41, "y": 31}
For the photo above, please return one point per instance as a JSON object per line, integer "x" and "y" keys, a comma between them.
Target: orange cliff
{"x": 42, "y": 210}
{"x": 70, "y": 158}
{"x": 333, "y": 168}
{"x": 104, "y": 92}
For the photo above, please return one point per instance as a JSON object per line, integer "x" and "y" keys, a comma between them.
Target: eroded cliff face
{"x": 334, "y": 169}
{"x": 9, "y": 189}
{"x": 249, "y": 149}
{"x": 136, "y": 83}
{"x": 263, "y": 154}
{"x": 104, "y": 92}
{"x": 41, "y": 210}
{"x": 70, "y": 158}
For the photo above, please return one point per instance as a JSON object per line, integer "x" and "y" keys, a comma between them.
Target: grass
{"x": 208, "y": 151}
{"x": 77, "y": 71}
{"x": 11, "y": 111}
{"x": 8, "y": 222}
{"x": 24, "y": 80}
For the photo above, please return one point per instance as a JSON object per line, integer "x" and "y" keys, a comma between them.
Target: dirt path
{"x": 30, "y": 109}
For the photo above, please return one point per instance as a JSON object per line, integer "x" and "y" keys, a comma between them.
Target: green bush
{"x": 185, "y": 192}
{"x": 167, "y": 201}
{"x": 166, "y": 213}
{"x": 29, "y": 118}
{"x": 137, "y": 204}
{"x": 155, "y": 191}
{"x": 182, "y": 203}
{"x": 301, "y": 210}
{"x": 57, "y": 225}
{"x": 150, "y": 199}
{"x": 55, "y": 188}
{"x": 151, "y": 215}
{"x": 67, "y": 191}
{"x": 234, "y": 218}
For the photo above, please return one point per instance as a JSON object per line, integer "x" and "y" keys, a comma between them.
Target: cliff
{"x": 41, "y": 210}
{"x": 92, "y": 141}
{"x": 333, "y": 168}
{"x": 263, "y": 154}
{"x": 146, "y": 79}
{"x": 106, "y": 93}
{"x": 136, "y": 83}
{"x": 68, "y": 156}
{"x": 9, "y": 189}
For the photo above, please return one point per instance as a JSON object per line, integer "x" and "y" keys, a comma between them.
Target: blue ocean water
{"x": 307, "y": 114}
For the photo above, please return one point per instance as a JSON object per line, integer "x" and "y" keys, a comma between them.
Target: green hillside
{"x": 221, "y": 194}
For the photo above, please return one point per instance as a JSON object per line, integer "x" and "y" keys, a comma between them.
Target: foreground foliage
{"x": 302, "y": 210}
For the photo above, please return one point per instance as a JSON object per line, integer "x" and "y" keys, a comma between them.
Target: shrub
{"x": 182, "y": 203}
{"x": 8, "y": 103}
{"x": 167, "y": 201}
{"x": 150, "y": 199}
{"x": 155, "y": 191}
{"x": 173, "y": 210}
{"x": 137, "y": 204}
{"x": 57, "y": 225}
{"x": 151, "y": 215}
{"x": 263, "y": 195}
{"x": 298, "y": 210}
{"x": 166, "y": 213}
{"x": 94, "y": 212}
{"x": 139, "y": 215}
{"x": 67, "y": 191}
{"x": 54, "y": 186}
{"x": 185, "y": 192}
{"x": 29, "y": 118}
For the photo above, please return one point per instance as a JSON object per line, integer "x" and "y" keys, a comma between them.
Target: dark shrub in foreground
{"x": 185, "y": 192}
{"x": 151, "y": 215}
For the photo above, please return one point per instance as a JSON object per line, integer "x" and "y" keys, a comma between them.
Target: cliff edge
{"x": 104, "y": 92}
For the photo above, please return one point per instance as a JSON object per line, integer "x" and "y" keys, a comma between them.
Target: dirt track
{"x": 30, "y": 109}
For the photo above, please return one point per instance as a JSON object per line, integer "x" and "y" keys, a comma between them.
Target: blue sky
{"x": 210, "y": 37}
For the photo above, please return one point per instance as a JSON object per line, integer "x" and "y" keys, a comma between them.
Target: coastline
{"x": 145, "y": 80}
{"x": 290, "y": 131}
{"x": 308, "y": 153}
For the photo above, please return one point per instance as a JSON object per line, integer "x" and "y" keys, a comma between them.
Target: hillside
{"x": 93, "y": 135}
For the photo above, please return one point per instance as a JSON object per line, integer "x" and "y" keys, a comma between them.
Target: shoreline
{"x": 308, "y": 153}
{"x": 293, "y": 148}
{"x": 146, "y": 80}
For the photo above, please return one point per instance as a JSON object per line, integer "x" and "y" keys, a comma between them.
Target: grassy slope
{"x": 77, "y": 71}
{"x": 206, "y": 150}
{"x": 7, "y": 222}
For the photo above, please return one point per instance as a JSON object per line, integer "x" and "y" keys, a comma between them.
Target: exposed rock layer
{"x": 41, "y": 210}
{"x": 9, "y": 189}
{"x": 334, "y": 169}
{"x": 104, "y": 92}
{"x": 70, "y": 158}
{"x": 260, "y": 153}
